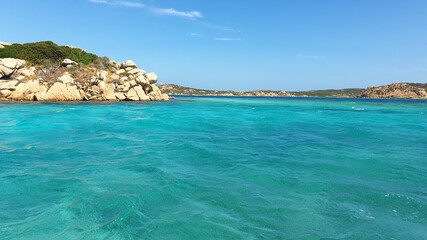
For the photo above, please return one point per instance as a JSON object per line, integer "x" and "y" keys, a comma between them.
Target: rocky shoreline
{"x": 109, "y": 81}
{"x": 395, "y": 90}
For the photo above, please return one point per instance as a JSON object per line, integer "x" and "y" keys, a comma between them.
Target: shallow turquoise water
{"x": 214, "y": 168}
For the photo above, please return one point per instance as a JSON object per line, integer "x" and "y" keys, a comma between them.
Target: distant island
{"x": 45, "y": 71}
{"x": 395, "y": 90}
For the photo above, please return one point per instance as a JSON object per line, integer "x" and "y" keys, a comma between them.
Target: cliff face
{"x": 108, "y": 81}
{"x": 395, "y": 90}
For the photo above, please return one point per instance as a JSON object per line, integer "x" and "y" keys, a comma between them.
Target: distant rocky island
{"x": 44, "y": 71}
{"x": 395, "y": 90}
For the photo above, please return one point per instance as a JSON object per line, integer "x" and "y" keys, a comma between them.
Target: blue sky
{"x": 239, "y": 45}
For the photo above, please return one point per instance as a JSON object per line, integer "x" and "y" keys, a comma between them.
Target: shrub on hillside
{"x": 50, "y": 71}
{"x": 39, "y": 52}
{"x": 102, "y": 63}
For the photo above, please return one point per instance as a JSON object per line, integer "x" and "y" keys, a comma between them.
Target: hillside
{"x": 173, "y": 89}
{"x": 397, "y": 90}
{"x": 45, "y": 52}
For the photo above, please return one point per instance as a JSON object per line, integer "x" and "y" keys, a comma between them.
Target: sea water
{"x": 214, "y": 168}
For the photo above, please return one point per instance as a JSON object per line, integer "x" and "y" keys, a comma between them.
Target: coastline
{"x": 421, "y": 100}
{"x": 391, "y": 91}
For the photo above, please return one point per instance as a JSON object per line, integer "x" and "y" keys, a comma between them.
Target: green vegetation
{"x": 419, "y": 85}
{"x": 350, "y": 92}
{"x": 174, "y": 89}
{"x": 40, "y": 53}
{"x": 124, "y": 74}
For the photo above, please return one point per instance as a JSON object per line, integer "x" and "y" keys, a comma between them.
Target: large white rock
{"x": 114, "y": 64}
{"x": 4, "y": 71}
{"x": 8, "y": 85}
{"x": 152, "y": 77}
{"x": 2, "y": 44}
{"x": 132, "y": 95}
{"x": 102, "y": 85}
{"x": 68, "y": 63}
{"x": 10, "y": 65}
{"x": 121, "y": 96}
{"x": 66, "y": 78}
{"x": 5, "y": 93}
{"x": 121, "y": 71}
{"x": 141, "y": 94}
{"x": 102, "y": 75}
{"x": 137, "y": 94}
{"x": 155, "y": 89}
{"x": 126, "y": 86}
{"x": 114, "y": 77}
{"x": 128, "y": 64}
{"x": 136, "y": 71}
{"x": 160, "y": 97}
{"x": 27, "y": 72}
{"x": 141, "y": 79}
{"x": 25, "y": 91}
{"x": 33, "y": 86}
{"x": 107, "y": 90}
{"x": 61, "y": 92}
{"x": 156, "y": 95}
{"x": 41, "y": 94}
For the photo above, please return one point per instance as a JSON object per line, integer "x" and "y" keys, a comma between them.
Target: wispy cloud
{"x": 129, "y": 4}
{"x": 228, "y": 39}
{"x": 99, "y": 1}
{"x": 120, "y": 3}
{"x": 310, "y": 56}
{"x": 173, "y": 12}
{"x": 194, "y": 15}
{"x": 158, "y": 11}
{"x": 224, "y": 28}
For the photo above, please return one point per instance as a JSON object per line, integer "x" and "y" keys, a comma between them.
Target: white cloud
{"x": 310, "y": 56}
{"x": 159, "y": 11}
{"x": 224, "y": 28}
{"x": 99, "y": 1}
{"x": 130, "y": 4}
{"x": 121, "y": 3}
{"x": 173, "y": 12}
{"x": 228, "y": 39}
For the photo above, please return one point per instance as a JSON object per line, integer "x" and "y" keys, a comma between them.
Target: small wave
{"x": 358, "y": 109}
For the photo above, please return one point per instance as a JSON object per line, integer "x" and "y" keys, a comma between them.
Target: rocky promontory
{"x": 396, "y": 90}
{"x": 68, "y": 80}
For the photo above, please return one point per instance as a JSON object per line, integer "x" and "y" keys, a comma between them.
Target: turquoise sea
{"x": 214, "y": 168}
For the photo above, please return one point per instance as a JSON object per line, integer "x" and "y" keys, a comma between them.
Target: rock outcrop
{"x": 68, "y": 63}
{"x": 73, "y": 82}
{"x": 2, "y": 44}
{"x": 8, "y": 66}
{"x": 395, "y": 90}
